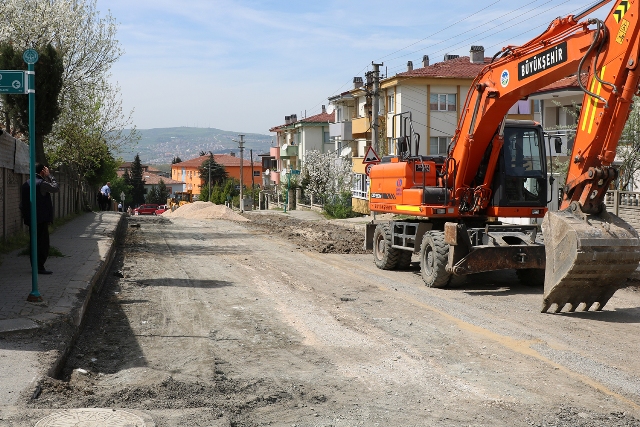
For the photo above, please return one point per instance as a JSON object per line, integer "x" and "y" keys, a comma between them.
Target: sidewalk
{"x": 87, "y": 243}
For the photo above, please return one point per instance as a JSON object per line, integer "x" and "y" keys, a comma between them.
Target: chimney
{"x": 324, "y": 109}
{"x": 477, "y": 54}
{"x": 410, "y": 66}
{"x": 357, "y": 82}
{"x": 232, "y": 154}
{"x": 448, "y": 57}
{"x": 287, "y": 120}
{"x": 425, "y": 61}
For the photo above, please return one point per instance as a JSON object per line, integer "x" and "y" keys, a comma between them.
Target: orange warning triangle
{"x": 371, "y": 156}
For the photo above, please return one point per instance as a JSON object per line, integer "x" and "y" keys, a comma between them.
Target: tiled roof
{"x": 154, "y": 179}
{"x": 221, "y": 159}
{"x": 454, "y": 68}
{"x": 318, "y": 118}
{"x": 570, "y": 82}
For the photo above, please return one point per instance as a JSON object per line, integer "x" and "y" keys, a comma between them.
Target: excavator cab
{"x": 522, "y": 171}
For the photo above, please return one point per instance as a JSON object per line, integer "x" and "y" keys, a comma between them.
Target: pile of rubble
{"x": 204, "y": 210}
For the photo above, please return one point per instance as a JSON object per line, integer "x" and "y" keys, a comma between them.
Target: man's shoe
{"x": 43, "y": 271}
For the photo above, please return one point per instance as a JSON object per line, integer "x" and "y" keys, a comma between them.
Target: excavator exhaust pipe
{"x": 588, "y": 258}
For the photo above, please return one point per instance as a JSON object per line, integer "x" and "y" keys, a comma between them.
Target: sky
{"x": 244, "y": 65}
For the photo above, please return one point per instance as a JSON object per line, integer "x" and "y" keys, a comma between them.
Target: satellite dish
{"x": 267, "y": 172}
{"x": 331, "y": 108}
{"x": 345, "y": 151}
{"x": 285, "y": 146}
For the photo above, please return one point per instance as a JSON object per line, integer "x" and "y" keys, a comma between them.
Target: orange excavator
{"x": 498, "y": 168}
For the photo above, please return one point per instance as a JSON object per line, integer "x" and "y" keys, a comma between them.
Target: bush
{"x": 340, "y": 207}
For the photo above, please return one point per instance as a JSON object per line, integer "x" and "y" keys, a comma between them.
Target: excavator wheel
{"x": 385, "y": 257}
{"x": 433, "y": 260}
{"x": 533, "y": 277}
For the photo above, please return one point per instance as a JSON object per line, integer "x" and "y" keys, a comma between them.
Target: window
{"x": 360, "y": 186}
{"x": 536, "y": 106}
{"x": 256, "y": 173}
{"x": 438, "y": 144}
{"x": 325, "y": 137}
{"x": 339, "y": 115}
{"x": 390, "y": 103}
{"x": 391, "y": 150}
{"x": 442, "y": 102}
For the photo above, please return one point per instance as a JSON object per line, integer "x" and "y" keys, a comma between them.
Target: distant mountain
{"x": 160, "y": 146}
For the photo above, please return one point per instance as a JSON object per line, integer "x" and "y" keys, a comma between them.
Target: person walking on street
{"x": 106, "y": 196}
{"x": 45, "y": 185}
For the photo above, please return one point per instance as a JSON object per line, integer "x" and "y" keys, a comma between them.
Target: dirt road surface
{"x": 286, "y": 323}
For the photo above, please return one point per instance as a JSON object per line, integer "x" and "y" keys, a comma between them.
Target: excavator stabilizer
{"x": 588, "y": 259}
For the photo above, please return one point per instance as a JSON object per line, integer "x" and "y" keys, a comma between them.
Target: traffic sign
{"x": 30, "y": 56}
{"x": 367, "y": 168}
{"x": 371, "y": 156}
{"x": 12, "y": 82}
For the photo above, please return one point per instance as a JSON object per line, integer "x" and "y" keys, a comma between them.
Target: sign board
{"x": 367, "y": 168}
{"x": 371, "y": 156}
{"x": 12, "y": 82}
{"x": 295, "y": 172}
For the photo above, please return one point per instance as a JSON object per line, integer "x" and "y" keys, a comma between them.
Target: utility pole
{"x": 253, "y": 198}
{"x": 210, "y": 158}
{"x": 241, "y": 145}
{"x": 375, "y": 105}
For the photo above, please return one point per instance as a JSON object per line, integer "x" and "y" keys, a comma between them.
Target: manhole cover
{"x": 93, "y": 417}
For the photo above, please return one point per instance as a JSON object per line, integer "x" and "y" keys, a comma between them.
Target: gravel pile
{"x": 204, "y": 210}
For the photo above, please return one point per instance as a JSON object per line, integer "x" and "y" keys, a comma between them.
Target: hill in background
{"x": 160, "y": 146}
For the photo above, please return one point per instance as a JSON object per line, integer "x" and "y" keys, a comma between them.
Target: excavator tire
{"x": 385, "y": 257}
{"x": 588, "y": 258}
{"x": 433, "y": 260}
{"x": 533, "y": 277}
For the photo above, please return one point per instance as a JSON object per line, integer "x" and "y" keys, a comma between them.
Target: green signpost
{"x": 30, "y": 56}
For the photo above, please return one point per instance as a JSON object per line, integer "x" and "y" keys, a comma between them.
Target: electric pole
{"x": 375, "y": 105}
{"x": 241, "y": 145}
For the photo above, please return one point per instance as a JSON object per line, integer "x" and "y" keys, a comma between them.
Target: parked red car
{"x": 161, "y": 209}
{"x": 147, "y": 209}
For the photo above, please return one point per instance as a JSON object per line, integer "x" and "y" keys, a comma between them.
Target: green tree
{"x": 163, "y": 192}
{"x": 629, "y": 148}
{"x": 152, "y": 195}
{"x": 48, "y": 81}
{"x": 136, "y": 182}
{"x": 176, "y": 159}
{"x": 119, "y": 185}
{"x": 213, "y": 169}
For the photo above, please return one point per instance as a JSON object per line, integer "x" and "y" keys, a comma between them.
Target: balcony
{"x": 341, "y": 130}
{"x": 287, "y": 151}
{"x": 361, "y": 127}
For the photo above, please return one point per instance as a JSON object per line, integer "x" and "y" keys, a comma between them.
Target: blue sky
{"x": 243, "y": 65}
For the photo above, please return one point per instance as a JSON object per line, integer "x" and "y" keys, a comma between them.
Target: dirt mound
{"x": 204, "y": 210}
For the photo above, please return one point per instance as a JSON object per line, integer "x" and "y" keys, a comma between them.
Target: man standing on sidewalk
{"x": 45, "y": 184}
{"x": 106, "y": 197}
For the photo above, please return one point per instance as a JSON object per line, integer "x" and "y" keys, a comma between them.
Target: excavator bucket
{"x": 587, "y": 260}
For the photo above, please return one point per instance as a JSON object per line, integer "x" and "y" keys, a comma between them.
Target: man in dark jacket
{"x": 45, "y": 184}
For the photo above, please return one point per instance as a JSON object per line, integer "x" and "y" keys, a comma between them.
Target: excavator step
{"x": 588, "y": 259}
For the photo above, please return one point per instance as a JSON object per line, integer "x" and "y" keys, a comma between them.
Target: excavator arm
{"x": 589, "y": 252}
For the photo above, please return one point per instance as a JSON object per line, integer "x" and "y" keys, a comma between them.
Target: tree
{"x": 48, "y": 81}
{"x": 86, "y": 42}
{"x": 213, "y": 169}
{"x": 136, "y": 182}
{"x": 163, "y": 192}
{"x": 629, "y": 149}
{"x": 175, "y": 160}
{"x": 152, "y": 195}
{"x": 327, "y": 175}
